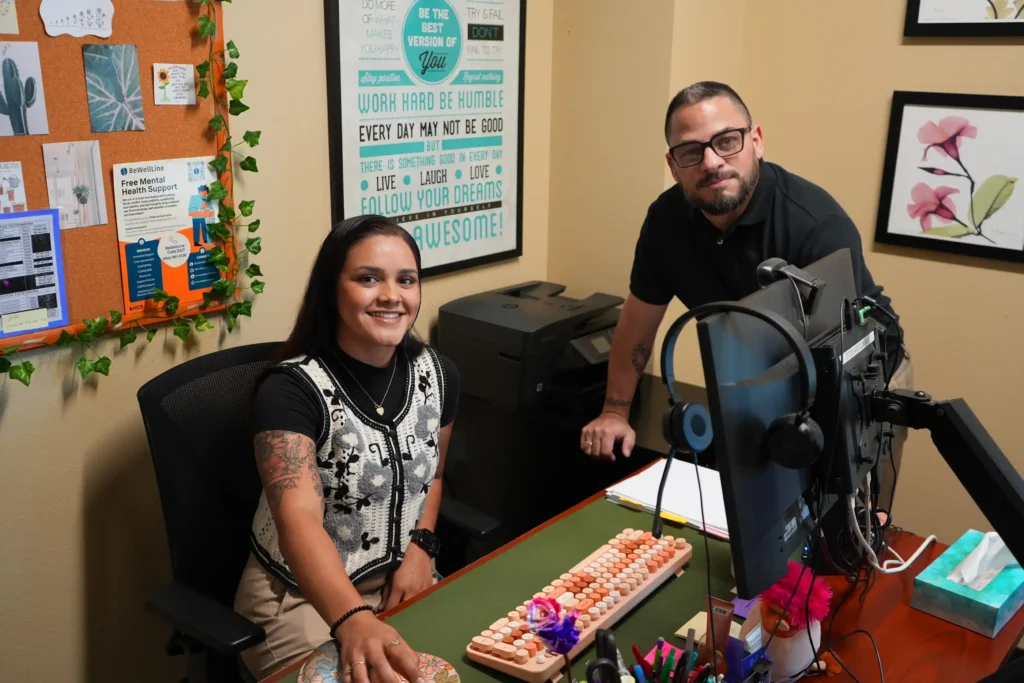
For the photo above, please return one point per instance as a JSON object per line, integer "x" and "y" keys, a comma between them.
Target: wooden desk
{"x": 915, "y": 646}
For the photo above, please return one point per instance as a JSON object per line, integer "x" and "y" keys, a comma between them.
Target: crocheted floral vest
{"x": 375, "y": 476}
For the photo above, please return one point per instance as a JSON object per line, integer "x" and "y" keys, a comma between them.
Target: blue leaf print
{"x": 112, "y": 83}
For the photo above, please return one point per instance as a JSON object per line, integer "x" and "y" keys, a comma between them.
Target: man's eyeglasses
{"x": 725, "y": 144}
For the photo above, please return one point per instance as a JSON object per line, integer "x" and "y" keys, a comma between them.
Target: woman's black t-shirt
{"x": 282, "y": 402}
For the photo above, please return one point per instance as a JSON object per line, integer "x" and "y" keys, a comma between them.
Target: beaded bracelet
{"x": 345, "y": 616}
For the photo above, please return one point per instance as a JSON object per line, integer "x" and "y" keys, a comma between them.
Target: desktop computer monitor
{"x": 752, "y": 378}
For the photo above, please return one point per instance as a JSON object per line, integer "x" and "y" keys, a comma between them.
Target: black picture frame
{"x": 915, "y": 28}
{"x": 900, "y": 101}
{"x": 334, "y": 117}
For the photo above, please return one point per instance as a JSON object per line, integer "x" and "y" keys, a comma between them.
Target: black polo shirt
{"x": 680, "y": 253}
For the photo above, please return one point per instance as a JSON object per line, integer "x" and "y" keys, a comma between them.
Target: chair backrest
{"x": 197, "y": 422}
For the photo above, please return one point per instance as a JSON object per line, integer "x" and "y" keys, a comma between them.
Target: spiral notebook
{"x": 681, "y": 500}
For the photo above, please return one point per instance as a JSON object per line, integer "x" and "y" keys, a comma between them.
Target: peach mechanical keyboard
{"x": 603, "y": 588}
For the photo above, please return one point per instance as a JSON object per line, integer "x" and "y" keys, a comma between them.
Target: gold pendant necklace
{"x": 380, "y": 406}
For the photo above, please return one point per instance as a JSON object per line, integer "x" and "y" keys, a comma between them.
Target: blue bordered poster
{"x": 426, "y": 122}
{"x": 32, "y": 296}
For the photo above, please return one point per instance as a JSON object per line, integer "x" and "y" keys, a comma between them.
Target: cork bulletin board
{"x": 163, "y": 32}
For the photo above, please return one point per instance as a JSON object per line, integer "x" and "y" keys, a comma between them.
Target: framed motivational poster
{"x": 426, "y": 113}
{"x": 952, "y": 165}
{"x": 964, "y": 18}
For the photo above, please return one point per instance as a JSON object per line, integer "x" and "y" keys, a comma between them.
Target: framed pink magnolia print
{"x": 952, "y": 166}
{"x": 964, "y": 18}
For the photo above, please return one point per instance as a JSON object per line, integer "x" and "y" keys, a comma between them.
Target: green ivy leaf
{"x": 252, "y": 137}
{"x": 202, "y": 324}
{"x": 991, "y": 196}
{"x": 206, "y": 27}
{"x": 248, "y": 164}
{"x": 253, "y": 270}
{"x": 65, "y": 339}
{"x": 96, "y": 326}
{"x": 232, "y": 321}
{"x": 204, "y": 89}
{"x": 150, "y": 335}
{"x": 231, "y": 70}
{"x": 115, "y": 317}
{"x": 254, "y": 226}
{"x": 217, "y": 123}
{"x": 246, "y": 206}
{"x": 182, "y": 329}
{"x": 22, "y": 372}
{"x": 257, "y": 286}
{"x": 203, "y": 69}
{"x": 220, "y": 164}
{"x": 208, "y": 298}
{"x": 236, "y": 88}
{"x": 128, "y": 337}
{"x": 5, "y": 365}
{"x": 218, "y": 231}
{"x": 232, "y": 50}
{"x": 253, "y": 245}
{"x": 217, "y": 191}
{"x": 160, "y": 295}
{"x": 103, "y": 366}
{"x": 226, "y": 147}
{"x": 245, "y": 308}
{"x": 85, "y": 367}
{"x": 225, "y": 288}
{"x": 236, "y": 107}
{"x": 172, "y": 305}
{"x": 216, "y": 257}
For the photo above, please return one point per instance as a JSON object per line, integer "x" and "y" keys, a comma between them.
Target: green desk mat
{"x": 444, "y": 622}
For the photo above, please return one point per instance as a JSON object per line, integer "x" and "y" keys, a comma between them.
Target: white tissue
{"x": 983, "y": 564}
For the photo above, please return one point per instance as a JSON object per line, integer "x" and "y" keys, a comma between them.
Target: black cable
{"x": 874, "y": 643}
{"x": 707, "y": 558}
{"x": 657, "y": 526}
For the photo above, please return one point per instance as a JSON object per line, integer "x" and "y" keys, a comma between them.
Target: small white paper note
{"x": 8, "y": 17}
{"x": 25, "y": 321}
{"x": 12, "y": 187}
{"x": 78, "y": 17}
{"x": 174, "y": 84}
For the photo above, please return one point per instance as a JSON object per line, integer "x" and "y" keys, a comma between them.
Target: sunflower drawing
{"x": 164, "y": 79}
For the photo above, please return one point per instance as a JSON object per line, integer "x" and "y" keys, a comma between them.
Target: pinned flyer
{"x": 174, "y": 84}
{"x": 163, "y": 211}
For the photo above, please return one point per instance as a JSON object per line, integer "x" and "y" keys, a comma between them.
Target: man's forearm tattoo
{"x": 640, "y": 355}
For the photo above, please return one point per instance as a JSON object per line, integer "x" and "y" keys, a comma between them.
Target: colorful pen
{"x": 639, "y": 671}
{"x": 666, "y": 669}
{"x": 657, "y": 658}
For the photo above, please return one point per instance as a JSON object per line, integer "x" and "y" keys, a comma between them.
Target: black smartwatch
{"x": 426, "y": 540}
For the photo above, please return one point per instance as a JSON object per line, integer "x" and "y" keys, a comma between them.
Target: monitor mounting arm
{"x": 992, "y": 482}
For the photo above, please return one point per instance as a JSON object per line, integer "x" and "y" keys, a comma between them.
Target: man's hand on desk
{"x": 598, "y": 438}
{"x": 415, "y": 574}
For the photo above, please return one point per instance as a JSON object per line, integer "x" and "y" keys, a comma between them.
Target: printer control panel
{"x": 595, "y": 347}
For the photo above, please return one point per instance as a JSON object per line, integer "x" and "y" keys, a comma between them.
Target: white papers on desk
{"x": 681, "y": 497}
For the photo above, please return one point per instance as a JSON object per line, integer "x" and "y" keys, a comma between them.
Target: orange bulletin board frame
{"x": 163, "y": 32}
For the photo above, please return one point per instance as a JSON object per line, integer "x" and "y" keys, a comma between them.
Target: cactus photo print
{"x": 22, "y": 105}
{"x": 114, "y": 89}
{"x": 951, "y": 175}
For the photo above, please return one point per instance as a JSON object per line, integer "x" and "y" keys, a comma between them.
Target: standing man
{"x": 703, "y": 239}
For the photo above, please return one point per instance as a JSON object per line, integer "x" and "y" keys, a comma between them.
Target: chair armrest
{"x": 467, "y": 519}
{"x": 204, "y": 619}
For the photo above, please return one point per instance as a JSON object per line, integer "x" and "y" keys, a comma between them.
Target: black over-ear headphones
{"x": 792, "y": 440}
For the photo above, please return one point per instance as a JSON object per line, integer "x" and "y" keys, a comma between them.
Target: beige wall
{"x": 81, "y": 536}
{"x": 803, "y": 67}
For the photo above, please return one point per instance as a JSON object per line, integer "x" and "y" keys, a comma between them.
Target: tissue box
{"x": 983, "y": 611}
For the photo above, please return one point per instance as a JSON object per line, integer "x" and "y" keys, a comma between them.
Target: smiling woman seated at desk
{"x": 351, "y": 432}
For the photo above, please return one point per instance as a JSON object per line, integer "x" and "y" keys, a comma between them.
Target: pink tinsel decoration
{"x": 817, "y": 603}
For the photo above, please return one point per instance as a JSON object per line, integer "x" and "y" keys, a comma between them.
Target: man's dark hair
{"x": 698, "y": 92}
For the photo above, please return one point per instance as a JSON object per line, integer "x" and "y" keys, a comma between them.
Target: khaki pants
{"x": 903, "y": 378}
{"x": 294, "y": 628}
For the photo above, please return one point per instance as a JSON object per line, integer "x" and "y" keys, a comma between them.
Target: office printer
{"x": 525, "y": 346}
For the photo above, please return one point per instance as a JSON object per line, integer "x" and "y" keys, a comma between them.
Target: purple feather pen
{"x": 557, "y": 630}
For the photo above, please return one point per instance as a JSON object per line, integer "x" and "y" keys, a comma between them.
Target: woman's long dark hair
{"x": 316, "y": 325}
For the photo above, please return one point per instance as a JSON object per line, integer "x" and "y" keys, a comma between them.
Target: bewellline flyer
{"x": 430, "y": 120}
{"x": 163, "y": 210}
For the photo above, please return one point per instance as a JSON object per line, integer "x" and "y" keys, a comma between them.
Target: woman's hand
{"x": 412, "y": 576}
{"x": 373, "y": 652}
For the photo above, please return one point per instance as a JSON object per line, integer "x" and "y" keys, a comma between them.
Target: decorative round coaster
{"x": 321, "y": 666}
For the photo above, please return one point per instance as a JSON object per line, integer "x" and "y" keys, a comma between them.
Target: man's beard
{"x": 724, "y": 203}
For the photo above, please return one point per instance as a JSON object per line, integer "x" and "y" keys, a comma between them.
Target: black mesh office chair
{"x": 197, "y": 422}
